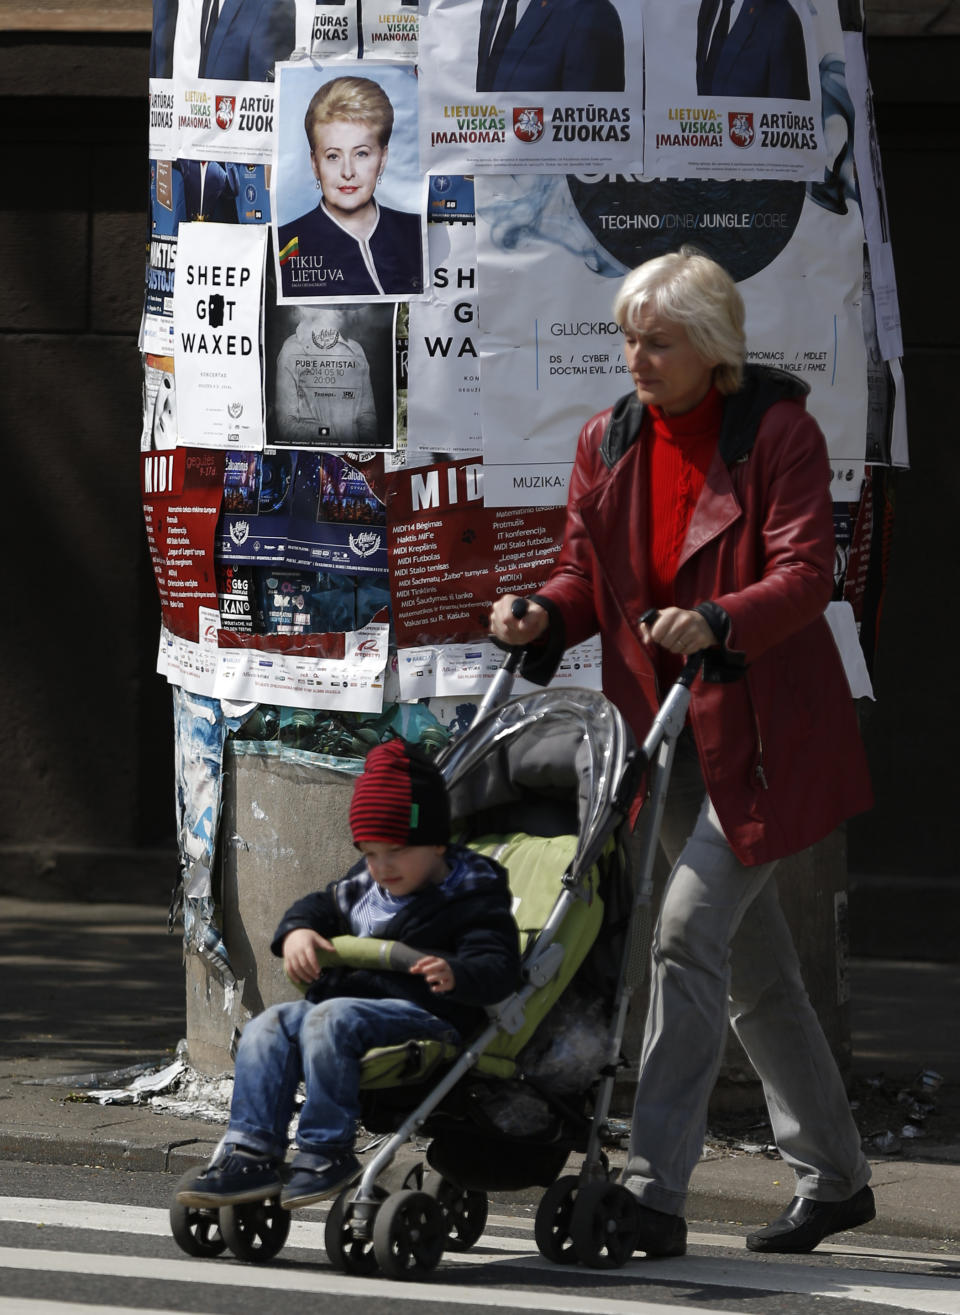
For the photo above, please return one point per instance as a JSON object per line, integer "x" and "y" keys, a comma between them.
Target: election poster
{"x": 329, "y": 29}
{"x": 550, "y": 362}
{"x": 443, "y": 402}
{"x": 331, "y": 376}
{"x": 349, "y": 198}
{"x": 735, "y": 92}
{"x": 236, "y": 40}
{"x": 163, "y": 139}
{"x": 391, "y": 30}
{"x": 212, "y": 71}
{"x": 216, "y": 313}
{"x": 451, "y": 557}
{"x": 181, "y": 491}
{"x": 555, "y": 88}
{"x": 213, "y": 120}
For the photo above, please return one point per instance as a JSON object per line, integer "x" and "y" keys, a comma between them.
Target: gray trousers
{"x": 722, "y": 942}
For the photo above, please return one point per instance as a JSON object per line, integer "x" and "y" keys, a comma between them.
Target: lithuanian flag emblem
{"x": 291, "y": 249}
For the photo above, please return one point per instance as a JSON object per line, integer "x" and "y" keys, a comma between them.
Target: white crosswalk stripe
{"x": 325, "y": 1283}
{"x": 36, "y": 1306}
{"x": 507, "y": 1246}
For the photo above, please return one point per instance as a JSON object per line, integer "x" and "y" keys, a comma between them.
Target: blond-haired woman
{"x": 705, "y": 494}
{"x": 350, "y": 244}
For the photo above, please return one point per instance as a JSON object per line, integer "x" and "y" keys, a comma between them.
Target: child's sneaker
{"x": 236, "y": 1179}
{"x": 305, "y": 1186}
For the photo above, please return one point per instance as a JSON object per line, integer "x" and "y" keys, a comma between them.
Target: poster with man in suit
{"x": 213, "y": 67}
{"x": 751, "y": 48}
{"x": 520, "y": 86}
{"x": 566, "y": 45}
{"x": 734, "y": 87}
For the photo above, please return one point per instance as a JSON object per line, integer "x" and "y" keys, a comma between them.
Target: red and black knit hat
{"x": 400, "y": 799}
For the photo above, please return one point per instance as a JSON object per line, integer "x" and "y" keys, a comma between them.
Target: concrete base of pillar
{"x": 283, "y": 833}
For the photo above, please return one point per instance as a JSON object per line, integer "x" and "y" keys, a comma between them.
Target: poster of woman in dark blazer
{"x": 352, "y": 241}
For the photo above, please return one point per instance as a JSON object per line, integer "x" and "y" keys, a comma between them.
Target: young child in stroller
{"x": 412, "y": 885}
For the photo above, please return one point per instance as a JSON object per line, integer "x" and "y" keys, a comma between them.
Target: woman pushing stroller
{"x": 704, "y": 495}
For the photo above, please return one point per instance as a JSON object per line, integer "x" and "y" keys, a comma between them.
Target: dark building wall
{"x": 86, "y": 785}
{"x": 86, "y": 775}
{"x": 910, "y": 731}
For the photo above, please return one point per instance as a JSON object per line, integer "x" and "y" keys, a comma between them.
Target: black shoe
{"x": 805, "y": 1223}
{"x": 659, "y": 1234}
{"x": 306, "y": 1186}
{"x": 234, "y": 1180}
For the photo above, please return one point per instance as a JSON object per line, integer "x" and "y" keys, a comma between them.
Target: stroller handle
{"x": 694, "y": 661}
{"x": 511, "y": 667}
{"x": 515, "y": 653}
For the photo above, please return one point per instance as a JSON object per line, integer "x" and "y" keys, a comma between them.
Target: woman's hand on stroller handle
{"x": 517, "y": 622}
{"x": 677, "y": 630}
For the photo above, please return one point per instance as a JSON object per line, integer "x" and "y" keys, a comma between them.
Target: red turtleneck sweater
{"x": 680, "y": 451}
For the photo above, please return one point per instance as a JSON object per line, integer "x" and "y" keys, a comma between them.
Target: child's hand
{"x": 438, "y": 973}
{"x": 299, "y": 954}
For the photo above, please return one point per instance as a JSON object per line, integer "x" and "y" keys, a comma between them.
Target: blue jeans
{"x": 323, "y": 1044}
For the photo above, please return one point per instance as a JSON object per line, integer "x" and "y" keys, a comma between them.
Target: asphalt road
{"x": 89, "y": 1240}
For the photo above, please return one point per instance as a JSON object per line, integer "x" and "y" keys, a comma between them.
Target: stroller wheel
{"x": 345, "y": 1250}
{"x": 408, "y": 1234}
{"x": 197, "y": 1232}
{"x": 604, "y": 1225}
{"x": 464, "y": 1212}
{"x": 255, "y": 1231}
{"x": 551, "y": 1228}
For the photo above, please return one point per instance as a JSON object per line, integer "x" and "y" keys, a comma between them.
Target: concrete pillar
{"x": 283, "y": 833}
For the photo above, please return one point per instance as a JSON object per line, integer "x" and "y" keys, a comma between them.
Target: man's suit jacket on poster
{"x": 762, "y": 55}
{"x": 248, "y": 39}
{"x": 558, "y": 45}
{"x": 161, "y": 42}
{"x": 212, "y": 194}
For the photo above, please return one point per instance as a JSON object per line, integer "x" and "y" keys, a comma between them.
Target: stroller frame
{"x": 598, "y": 1210}
{"x": 586, "y": 1217}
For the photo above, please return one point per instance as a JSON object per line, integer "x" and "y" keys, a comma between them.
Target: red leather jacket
{"x": 773, "y": 719}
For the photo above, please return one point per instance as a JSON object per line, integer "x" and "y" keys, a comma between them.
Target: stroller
{"x": 541, "y": 783}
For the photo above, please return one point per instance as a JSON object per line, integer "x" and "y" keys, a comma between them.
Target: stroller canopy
{"x": 546, "y": 762}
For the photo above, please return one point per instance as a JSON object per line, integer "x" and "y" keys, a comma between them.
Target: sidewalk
{"x": 100, "y": 987}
